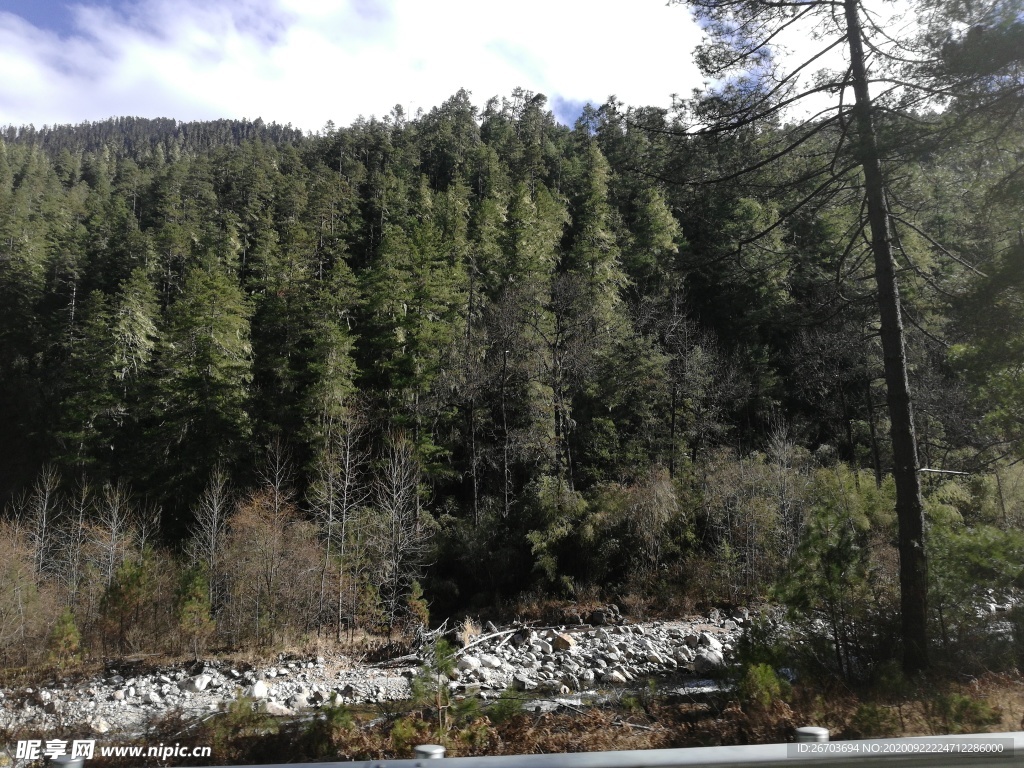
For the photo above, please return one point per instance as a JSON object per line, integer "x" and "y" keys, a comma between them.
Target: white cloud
{"x": 308, "y": 61}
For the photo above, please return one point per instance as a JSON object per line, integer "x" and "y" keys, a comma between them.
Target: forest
{"x": 257, "y": 385}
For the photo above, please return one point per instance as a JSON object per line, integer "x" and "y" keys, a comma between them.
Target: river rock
{"x": 563, "y": 642}
{"x": 615, "y": 676}
{"x": 708, "y": 660}
{"x": 258, "y": 690}
{"x": 541, "y": 646}
{"x": 523, "y": 683}
{"x": 195, "y": 684}
{"x": 710, "y": 641}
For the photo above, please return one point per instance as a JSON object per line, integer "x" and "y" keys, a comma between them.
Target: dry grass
{"x": 467, "y": 631}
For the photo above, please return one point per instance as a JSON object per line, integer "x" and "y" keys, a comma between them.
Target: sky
{"x": 305, "y": 62}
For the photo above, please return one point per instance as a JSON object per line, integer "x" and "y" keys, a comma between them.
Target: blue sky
{"x": 310, "y": 61}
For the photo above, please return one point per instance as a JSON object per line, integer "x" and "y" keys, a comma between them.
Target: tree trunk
{"x": 909, "y": 506}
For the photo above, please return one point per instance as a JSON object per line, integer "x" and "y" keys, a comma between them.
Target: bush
{"x": 322, "y": 733}
{"x": 763, "y": 643}
{"x": 759, "y": 687}
{"x": 961, "y": 713}
{"x": 964, "y": 563}
{"x": 872, "y": 721}
{"x": 842, "y": 585}
{"x": 505, "y": 707}
{"x": 1017, "y": 623}
{"x": 416, "y": 604}
{"x": 240, "y": 722}
{"x": 65, "y": 640}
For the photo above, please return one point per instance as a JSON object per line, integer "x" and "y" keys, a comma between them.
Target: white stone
{"x": 195, "y": 684}
{"x": 258, "y": 690}
{"x": 710, "y": 641}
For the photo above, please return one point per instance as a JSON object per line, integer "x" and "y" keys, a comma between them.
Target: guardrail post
{"x": 429, "y": 751}
{"x": 810, "y": 733}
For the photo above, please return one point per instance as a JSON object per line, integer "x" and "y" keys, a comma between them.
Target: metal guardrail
{"x": 984, "y": 750}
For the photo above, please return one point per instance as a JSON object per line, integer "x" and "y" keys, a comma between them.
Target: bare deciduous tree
{"x": 72, "y": 537}
{"x": 41, "y": 511}
{"x": 336, "y": 497}
{"x": 113, "y": 535}
{"x": 401, "y": 536}
{"x": 210, "y": 527}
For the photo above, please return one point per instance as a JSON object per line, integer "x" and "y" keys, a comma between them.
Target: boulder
{"x": 614, "y": 676}
{"x": 523, "y": 683}
{"x": 708, "y": 660}
{"x": 710, "y": 641}
{"x": 195, "y": 684}
{"x": 563, "y": 642}
{"x": 469, "y": 663}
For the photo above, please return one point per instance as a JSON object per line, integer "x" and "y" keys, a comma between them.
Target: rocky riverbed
{"x": 558, "y": 660}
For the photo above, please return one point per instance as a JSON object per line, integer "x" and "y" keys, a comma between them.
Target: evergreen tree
{"x": 197, "y": 403}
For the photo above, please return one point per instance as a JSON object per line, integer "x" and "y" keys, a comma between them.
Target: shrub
{"x": 961, "y": 713}
{"x": 416, "y": 604}
{"x": 65, "y": 640}
{"x": 759, "y": 687}
{"x": 505, "y": 707}
{"x": 324, "y": 730}
{"x": 872, "y": 721}
{"x": 841, "y": 586}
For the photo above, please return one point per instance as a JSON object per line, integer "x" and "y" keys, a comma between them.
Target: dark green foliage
{"x": 65, "y": 641}
{"x": 319, "y": 736}
{"x": 193, "y": 608}
{"x": 505, "y": 707}
{"x": 842, "y": 575}
{"x": 961, "y": 713}
{"x": 600, "y": 390}
{"x": 760, "y": 687}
